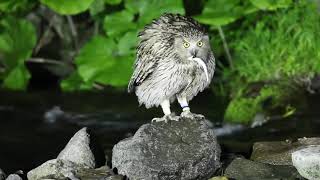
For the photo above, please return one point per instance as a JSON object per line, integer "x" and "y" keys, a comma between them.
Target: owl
{"x": 174, "y": 62}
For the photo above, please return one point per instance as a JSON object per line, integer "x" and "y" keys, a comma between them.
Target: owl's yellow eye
{"x": 200, "y": 43}
{"x": 186, "y": 44}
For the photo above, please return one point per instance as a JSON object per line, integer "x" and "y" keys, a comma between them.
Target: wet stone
{"x": 2, "y": 175}
{"x": 78, "y": 150}
{"x": 186, "y": 149}
{"x": 75, "y": 157}
{"x": 244, "y": 169}
{"x": 307, "y": 162}
{"x": 279, "y": 152}
{"x": 103, "y": 172}
{"x": 54, "y": 169}
{"x": 14, "y": 177}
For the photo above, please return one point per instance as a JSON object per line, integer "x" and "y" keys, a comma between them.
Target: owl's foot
{"x": 166, "y": 118}
{"x": 189, "y": 115}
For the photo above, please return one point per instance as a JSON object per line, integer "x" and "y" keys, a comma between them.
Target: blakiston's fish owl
{"x": 174, "y": 61}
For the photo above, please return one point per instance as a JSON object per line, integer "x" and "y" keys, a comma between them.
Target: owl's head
{"x": 192, "y": 45}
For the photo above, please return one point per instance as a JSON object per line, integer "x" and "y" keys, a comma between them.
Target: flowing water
{"x": 34, "y": 127}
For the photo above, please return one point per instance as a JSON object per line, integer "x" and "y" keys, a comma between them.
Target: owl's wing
{"x": 156, "y": 40}
{"x": 144, "y": 67}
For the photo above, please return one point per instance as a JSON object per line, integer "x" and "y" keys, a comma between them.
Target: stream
{"x": 35, "y": 126}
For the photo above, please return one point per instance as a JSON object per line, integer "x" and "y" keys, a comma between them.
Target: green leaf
{"x": 74, "y": 82}
{"x": 113, "y": 2}
{"x": 18, "y": 78}
{"x": 118, "y": 23}
{"x": 97, "y": 7}
{"x": 118, "y": 74}
{"x": 127, "y": 43}
{"x": 96, "y": 63}
{"x": 149, "y": 10}
{"x": 17, "y": 39}
{"x": 271, "y": 4}
{"x": 68, "y": 7}
{"x": 220, "y": 12}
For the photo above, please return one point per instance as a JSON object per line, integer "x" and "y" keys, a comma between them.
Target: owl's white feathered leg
{"x": 165, "y": 105}
{"x": 186, "y": 113}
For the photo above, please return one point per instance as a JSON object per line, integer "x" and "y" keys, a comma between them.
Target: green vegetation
{"x": 266, "y": 49}
{"x": 282, "y": 50}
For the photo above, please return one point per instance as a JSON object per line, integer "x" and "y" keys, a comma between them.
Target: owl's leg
{"x": 186, "y": 113}
{"x": 165, "y": 105}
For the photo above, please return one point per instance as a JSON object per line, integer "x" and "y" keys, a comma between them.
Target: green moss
{"x": 280, "y": 46}
{"x": 241, "y": 110}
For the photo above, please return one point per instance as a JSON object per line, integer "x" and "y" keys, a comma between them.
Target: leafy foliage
{"x": 96, "y": 63}
{"x": 220, "y": 12}
{"x": 108, "y": 60}
{"x": 262, "y": 49}
{"x": 13, "y": 6}
{"x": 281, "y": 49}
{"x": 68, "y": 7}
{"x": 274, "y": 43}
{"x": 17, "y": 39}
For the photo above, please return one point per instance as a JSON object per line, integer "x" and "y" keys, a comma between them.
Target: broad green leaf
{"x": 97, "y": 7}
{"x": 271, "y": 4}
{"x": 74, "y": 82}
{"x": 220, "y": 12}
{"x": 118, "y": 23}
{"x": 97, "y": 63}
{"x": 17, "y": 39}
{"x": 119, "y": 74}
{"x": 217, "y": 21}
{"x": 113, "y": 2}
{"x": 149, "y": 10}
{"x": 17, "y": 78}
{"x": 127, "y": 43}
{"x": 68, "y": 6}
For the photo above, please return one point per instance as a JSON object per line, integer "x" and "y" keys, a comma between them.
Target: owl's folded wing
{"x": 144, "y": 67}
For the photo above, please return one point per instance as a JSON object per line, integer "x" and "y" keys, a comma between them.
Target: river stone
{"x": 279, "y": 152}
{"x": 307, "y": 162}
{"x": 185, "y": 149}
{"x": 243, "y": 169}
{"x": 103, "y": 173}
{"x": 76, "y": 156}
{"x": 2, "y": 175}
{"x": 14, "y": 177}
{"x": 78, "y": 150}
{"x": 55, "y": 169}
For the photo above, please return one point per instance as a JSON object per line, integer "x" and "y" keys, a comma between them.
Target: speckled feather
{"x": 159, "y": 72}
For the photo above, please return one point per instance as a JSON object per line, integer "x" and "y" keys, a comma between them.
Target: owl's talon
{"x": 190, "y": 115}
{"x": 158, "y": 119}
{"x": 166, "y": 118}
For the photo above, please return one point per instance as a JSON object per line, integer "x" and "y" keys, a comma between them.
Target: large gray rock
{"x": 307, "y": 162}
{"x": 14, "y": 177}
{"x": 76, "y": 156}
{"x": 243, "y": 169}
{"x": 186, "y": 149}
{"x": 2, "y": 175}
{"x": 279, "y": 152}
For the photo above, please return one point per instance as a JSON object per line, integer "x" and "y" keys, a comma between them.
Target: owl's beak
{"x": 194, "y": 53}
